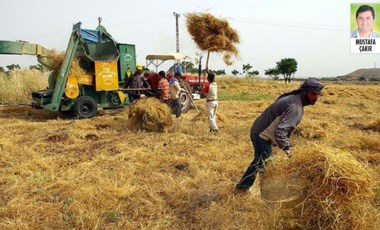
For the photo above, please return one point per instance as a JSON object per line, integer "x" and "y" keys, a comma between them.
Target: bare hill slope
{"x": 362, "y": 74}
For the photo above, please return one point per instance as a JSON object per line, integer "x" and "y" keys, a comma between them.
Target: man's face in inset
{"x": 365, "y": 21}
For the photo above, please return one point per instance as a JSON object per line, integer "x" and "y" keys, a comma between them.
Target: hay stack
{"x": 326, "y": 189}
{"x": 150, "y": 114}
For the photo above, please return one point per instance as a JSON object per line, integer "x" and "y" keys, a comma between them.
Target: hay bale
{"x": 325, "y": 189}
{"x": 150, "y": 114}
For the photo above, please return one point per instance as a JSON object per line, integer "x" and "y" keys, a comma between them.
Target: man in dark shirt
{"x": 134, "y": 82}
{"x": 275, "y": 125}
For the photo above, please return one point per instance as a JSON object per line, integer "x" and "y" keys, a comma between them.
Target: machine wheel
{"x": 185, "y": 102}
{"x": 85, "y": 107}
{"x": 185, "y": 97}
{"x": 186, "y": 86}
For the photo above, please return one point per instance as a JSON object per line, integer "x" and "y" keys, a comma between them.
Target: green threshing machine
{"x": 106, "y": 64}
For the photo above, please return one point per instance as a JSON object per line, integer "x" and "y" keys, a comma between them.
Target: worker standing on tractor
{"x": 175, "y": 89}
{"x": 163, "y": 87}
{"x": 134, "y": 82}
{"x": 211, "y": 92}
{"x": 275, "y": 125}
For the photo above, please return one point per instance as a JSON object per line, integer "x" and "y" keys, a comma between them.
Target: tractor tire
{"x": 186, "y": 86}
{"x": 85, "y": 107}
{"x": 185, "y": 97}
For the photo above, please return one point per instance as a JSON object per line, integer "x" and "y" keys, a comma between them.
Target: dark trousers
{"x": 263, "y": 150}
{"x": 176, "y": 106}
{"x": 133, "y": 97}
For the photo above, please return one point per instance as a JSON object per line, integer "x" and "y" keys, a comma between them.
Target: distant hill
{"x": 372, "y": 74}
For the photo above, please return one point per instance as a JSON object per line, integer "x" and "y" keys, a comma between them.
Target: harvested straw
{"x": 227, "y": 58}
{"x": 326, "y": 188}
{"x": 150, "y": 114}
{"x": 212, "y": 34}
{"x": 373, "y": 125}
{"x": 202, "y": 116}
{"x": 56, "y": 59}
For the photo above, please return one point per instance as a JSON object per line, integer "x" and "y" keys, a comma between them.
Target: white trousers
{"x": 212, "y": 107}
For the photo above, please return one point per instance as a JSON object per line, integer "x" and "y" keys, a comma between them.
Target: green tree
{"x": 39, "y": 67}
{"x": 188, "y": 67}
{"x": 253, "y": 73}
{"x": 287, "y": 67}
{"x": 246, "y": 68}
{"x": 272, "y": 73}
{"x": 2, "y": 69}
{"x": 220, "y": 72}
{"x": 13, "y": 67}
{"x": 235, "y": 72}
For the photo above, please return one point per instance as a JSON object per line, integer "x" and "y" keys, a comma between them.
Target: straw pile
{"x": 149, "y": 114}
{"x": 325, "y": 189}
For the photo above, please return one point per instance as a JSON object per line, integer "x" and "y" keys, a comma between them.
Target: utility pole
{"x": 176, "y": 15}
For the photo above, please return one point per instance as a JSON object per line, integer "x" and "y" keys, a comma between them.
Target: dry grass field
{"x": 58, "y": 172}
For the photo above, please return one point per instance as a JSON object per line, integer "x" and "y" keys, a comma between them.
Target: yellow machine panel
{"x": 85, "y": 79}
{"x": 72, "y": 89}
{"x": 106, "y": 78}
{"x": 121, "y": 96}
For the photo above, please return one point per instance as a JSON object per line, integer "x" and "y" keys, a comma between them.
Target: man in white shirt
{"x": 211, "y": 91}
{"x": 174, "y": 90}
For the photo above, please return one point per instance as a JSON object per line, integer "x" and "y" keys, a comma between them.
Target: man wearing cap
{"x": 275, "y": 125}
{"x": 135, "y": 82}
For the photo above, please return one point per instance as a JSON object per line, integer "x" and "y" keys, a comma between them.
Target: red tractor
{"x": 193, "y": 84}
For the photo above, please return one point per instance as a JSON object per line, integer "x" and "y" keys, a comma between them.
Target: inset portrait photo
{"x": 365, "y": 28}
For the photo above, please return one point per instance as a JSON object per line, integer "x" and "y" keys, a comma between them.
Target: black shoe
{"x": 213, "y": 131}
{"x": 241, "y": 188}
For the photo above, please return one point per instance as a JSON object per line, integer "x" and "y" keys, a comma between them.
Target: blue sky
{"x": 315, "y": 33}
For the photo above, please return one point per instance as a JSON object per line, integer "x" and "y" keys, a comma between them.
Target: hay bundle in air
{"x": 55, "y": 60}
{"x": 150, "y": 114}
{"x": 212, "y": 34}
{"x": 325, "y": 189}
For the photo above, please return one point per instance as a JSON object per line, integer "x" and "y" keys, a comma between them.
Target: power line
{"x": 295, "y": 25}
{"x": 62, "y": 33}
{"x": 137, "y": 21}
